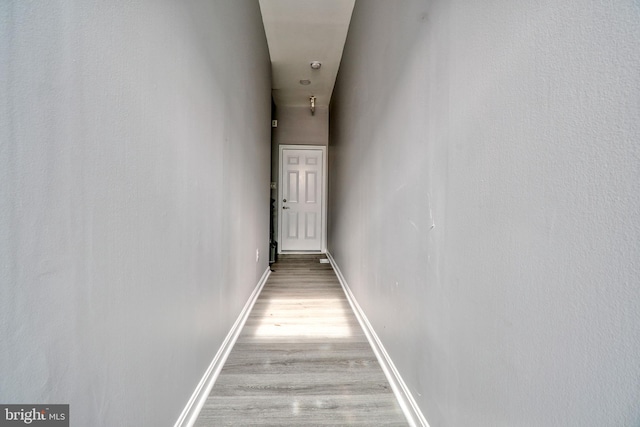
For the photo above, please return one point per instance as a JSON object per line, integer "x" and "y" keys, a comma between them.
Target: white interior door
{"x": 301, "y": 199}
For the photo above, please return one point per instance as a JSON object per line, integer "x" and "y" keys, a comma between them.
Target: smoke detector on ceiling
{"x": 315, "y": 65}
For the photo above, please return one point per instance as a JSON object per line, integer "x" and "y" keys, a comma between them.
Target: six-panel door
{"x": 301, "y": 205}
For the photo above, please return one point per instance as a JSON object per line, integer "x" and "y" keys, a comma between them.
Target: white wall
{"x": 134, "y": 170}
{"x": 485, "y": 204}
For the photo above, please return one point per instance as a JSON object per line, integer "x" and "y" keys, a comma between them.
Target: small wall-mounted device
{"x": 274, "y": 123}
{"x": 312, "y": 101}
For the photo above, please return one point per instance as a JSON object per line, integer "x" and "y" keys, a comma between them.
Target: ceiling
{"x": 298, "y": 33}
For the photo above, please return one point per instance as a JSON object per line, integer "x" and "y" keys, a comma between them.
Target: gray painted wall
{"x": 134, "y": 170}
{"x": 296, "y": 126}
{"x": 485, "y": 204}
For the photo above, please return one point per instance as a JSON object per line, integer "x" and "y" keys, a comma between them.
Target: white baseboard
{"x": 190, "y": 413}
{"x": 405, "y": 399}
{"x": 301, "y": 253}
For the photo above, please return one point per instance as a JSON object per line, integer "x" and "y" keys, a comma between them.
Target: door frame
{"x": 325, "y": 180}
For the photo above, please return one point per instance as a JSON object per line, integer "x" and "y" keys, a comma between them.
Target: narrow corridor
{"x": 301, "y": 359}
{"x": 478, "y": 195}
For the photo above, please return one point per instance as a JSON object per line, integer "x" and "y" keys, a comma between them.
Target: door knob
{"x": 284, "y": 200}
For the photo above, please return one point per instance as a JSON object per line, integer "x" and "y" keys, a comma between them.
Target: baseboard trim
{"x": 301, "y": 253}
{"x": 403, "y": 394}
{"x": 190, "y": 413}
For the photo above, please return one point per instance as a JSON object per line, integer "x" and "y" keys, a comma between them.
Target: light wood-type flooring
{"x": 301, "y": 359}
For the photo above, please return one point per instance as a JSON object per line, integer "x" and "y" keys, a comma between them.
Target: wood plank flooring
{"x": 301, "y": 359}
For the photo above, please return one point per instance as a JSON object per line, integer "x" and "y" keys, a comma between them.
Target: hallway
{"x": 479, "y": 199}
{"x": 301, "y": 359}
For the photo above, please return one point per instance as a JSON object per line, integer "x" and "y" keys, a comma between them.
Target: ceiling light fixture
{"x": 312, "y": 100}
{"x": 305, "y": 82}
{"x": 315, "y": 65}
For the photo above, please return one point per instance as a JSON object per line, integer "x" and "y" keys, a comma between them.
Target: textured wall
{"x": 134, "y": 168}
{"x": 485, "y": 204}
